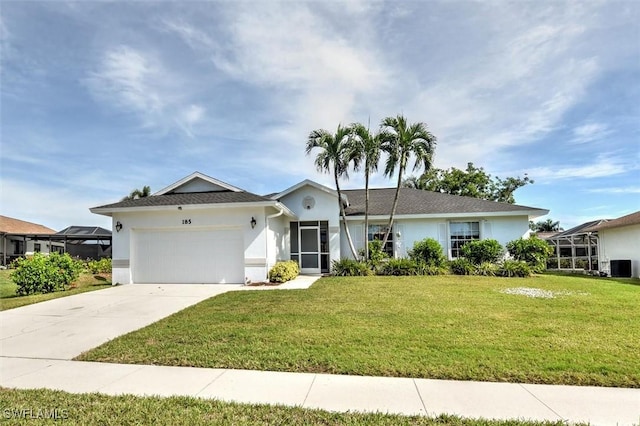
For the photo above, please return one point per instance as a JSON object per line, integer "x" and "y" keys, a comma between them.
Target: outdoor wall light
{"x": 253, "y": 222}
{"x": 118, "y": 226}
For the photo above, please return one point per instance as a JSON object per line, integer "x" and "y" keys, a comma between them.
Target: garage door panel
{"x": 178, "y": 256}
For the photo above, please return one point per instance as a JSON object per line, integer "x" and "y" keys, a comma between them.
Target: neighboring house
{"x": 20, "y": 238}
{"x": 86, "y": 242}
{"x": 619, "y": 245}
{"x": 202, "y": 230}
{"x": 575, "y": 248}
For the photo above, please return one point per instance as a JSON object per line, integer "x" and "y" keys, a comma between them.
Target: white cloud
{"x": 603, "y": 166}
{"x": 617, "y": 190}
{"x": 590, "y": 132}
{"x": 136, "y": 81}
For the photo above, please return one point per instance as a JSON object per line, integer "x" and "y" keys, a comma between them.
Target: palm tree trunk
{"x": 344, "y": 217}
{"x": 366, "y": 212}
{"x": 393, "y": 209}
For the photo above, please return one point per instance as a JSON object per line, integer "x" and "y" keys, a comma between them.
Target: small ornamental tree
{"x": 481, "y": 251}
{"x": 428, "y": 251}
{"x": 532, "y": 250}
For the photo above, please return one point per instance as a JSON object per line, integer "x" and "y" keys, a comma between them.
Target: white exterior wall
{"x": 325, "y": 208}
{"x": 408, "y": 231}
{"x": 621, "y": 244}
{"x": 255, "y": 240}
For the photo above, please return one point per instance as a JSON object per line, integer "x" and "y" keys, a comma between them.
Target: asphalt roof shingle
{"x": 628, "y": 220}
{"x": 10, "y": 225}
{"x": 187, "y": 198}
{"x": 417, "y": 201}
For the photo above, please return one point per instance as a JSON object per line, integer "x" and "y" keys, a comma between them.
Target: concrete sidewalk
{"x": 599, "y": 406}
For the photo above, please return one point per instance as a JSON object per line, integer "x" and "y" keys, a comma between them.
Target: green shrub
{"x": 514, "y": 268}
{"x": 429, "y": 252}
{"x": 532, "y": 250}
{"x": 102, "y": 266}
{"x": 284, "y": 271}
{"x": 44, "y": 274}
{"x": 67, "y": 267}
{"x": 461, "y": 266}
{"x": 376, "y": 254}
{"x": 480, "y": 251}
{"x": 552, "y": 263}
{"x": 487, "y": 269}
{"x": 400, "y": 267}
{"x": 350, "y": 268}
{"x": 565, "y": 263}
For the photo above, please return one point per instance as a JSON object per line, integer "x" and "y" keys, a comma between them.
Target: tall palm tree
{"x": 401, "y": 141}
{"x": 334, "y": 157}
{"x": 366, "y": 148}
{"x": 137, "y": 193}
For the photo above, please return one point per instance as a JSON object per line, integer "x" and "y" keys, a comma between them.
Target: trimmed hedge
{"x": 429, "y": 252}
{"x": 480, "y": 251}
{"x": 284, "y": 271}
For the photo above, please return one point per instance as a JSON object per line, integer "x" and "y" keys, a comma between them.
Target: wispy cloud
{"x": 617, "y": 190}
{"x": 135, "y": 81}
{"x": 603, "y": 166}
{"x": 590, "y": 132}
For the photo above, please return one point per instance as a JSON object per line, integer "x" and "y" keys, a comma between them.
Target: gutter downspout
{"x": 266, "y": 239}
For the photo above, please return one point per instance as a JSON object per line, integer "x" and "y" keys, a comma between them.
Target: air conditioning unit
{"x": 621, "y": 268}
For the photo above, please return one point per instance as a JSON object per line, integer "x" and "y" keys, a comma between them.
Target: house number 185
{"x": 186, "y": 221}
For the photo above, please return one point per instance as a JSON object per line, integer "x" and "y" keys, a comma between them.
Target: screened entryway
{"x": 310, "y": 246}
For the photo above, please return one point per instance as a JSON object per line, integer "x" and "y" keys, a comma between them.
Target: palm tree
{"x": 137, "y": 193}
{"x": 401, "y": 141}
{"x": 366, "y": 147}
{"x": 334, "y": 157}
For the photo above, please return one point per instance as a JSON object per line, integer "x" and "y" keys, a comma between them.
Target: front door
{"x": 310, "y": 246}
{"x": 310, "y": 249}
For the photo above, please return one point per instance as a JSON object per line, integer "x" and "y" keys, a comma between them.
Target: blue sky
{"x": 99, "y": 98}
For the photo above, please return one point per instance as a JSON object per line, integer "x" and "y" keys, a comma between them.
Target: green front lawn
{"x": 95, "y": 409}
{"x": 9, "y": 299}
{"x": 445, "y": 327}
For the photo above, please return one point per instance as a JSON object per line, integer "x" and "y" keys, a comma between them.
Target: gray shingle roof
{"x": 217, "y": 197}
{"x": 417, "y": 201}
{"x": 628, "y": 220}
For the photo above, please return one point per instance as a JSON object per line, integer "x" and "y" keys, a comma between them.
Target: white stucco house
{"x": 619, "y": 245}
{"x": 203, "y": 230}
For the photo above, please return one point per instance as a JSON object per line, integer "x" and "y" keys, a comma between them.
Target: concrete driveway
{"x": 64, "y": 328}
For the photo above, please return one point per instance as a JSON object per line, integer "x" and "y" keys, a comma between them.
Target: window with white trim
{"x": 461, "y": 233}
{"x": 376, "y": 232}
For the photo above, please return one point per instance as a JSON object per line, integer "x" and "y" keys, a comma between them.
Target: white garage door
{"x": 193, "y": 256}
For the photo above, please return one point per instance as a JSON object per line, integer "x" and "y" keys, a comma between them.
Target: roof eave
{"x": 108, "y": 211}
{"x": 529, "y": 213}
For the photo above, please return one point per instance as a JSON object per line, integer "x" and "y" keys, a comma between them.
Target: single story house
{"x": 203, "y": 230}
{"x": 20, "y": 238}
{"x": 619, "y": 245}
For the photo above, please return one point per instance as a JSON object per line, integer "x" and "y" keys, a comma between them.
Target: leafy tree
{"x": 480, "y": 251}
{"x": 471, "y": 182}
{"x": 366, "y": 148}
{"x": 401, "y": 141}
{"x": 334, "y": 157}
{"x": 545, "y": 226}
{"x": 137, "y": 193}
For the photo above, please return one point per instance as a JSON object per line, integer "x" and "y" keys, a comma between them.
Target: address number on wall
{"x": 186, "y": 221}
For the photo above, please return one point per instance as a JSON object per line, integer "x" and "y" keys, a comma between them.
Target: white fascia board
{"x": 274, "y": 204}
{"x": 529, "y": 213}
{"x": 202, "y": 176}
{"x": 304, "y": 183}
